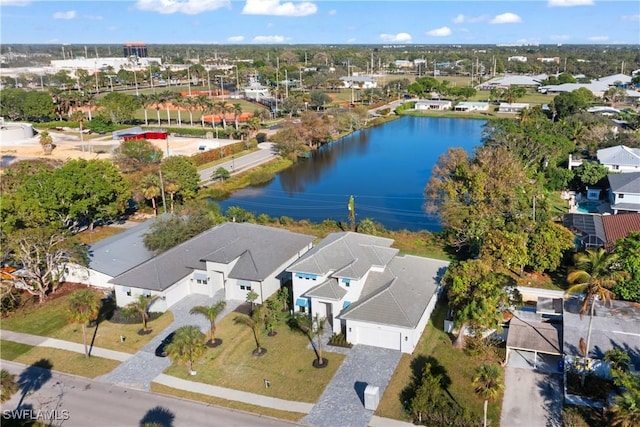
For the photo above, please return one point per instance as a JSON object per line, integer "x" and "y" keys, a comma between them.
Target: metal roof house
{"x": 364, "y": 288}
{"x": 234, "y": 257}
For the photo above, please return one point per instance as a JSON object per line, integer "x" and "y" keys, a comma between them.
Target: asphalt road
{"x": 238, "y": 164}
{"x": 73, "y": 401}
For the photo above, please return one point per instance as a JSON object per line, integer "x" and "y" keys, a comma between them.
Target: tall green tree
{"x": 8, "y": 385}
{"x": 187, "y": 346}
{"x": 488, "y": 384}
{"x": 140, "y": 306}
{"x": 84, "y": 307}
{"x": 628, "y": 252}
{"x": 210, "y": 312}
{"x": 118, "y": 107}
{"x": 185, "y": 173}
{"x": 136, "y": 154}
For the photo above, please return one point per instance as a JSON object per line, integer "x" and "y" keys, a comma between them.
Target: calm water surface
{"x": 385, "y": 168}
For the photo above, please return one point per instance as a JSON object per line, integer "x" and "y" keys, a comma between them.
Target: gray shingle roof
{"x": 346, "y": 254}
{"x": 400, "y": 294}
{"x": 329, "y": 289}
{"x": 120, "y": 252}
{"x": 542, "y": 336}
{"x": 260, "y": 251}
{"x": 625, "y": 182}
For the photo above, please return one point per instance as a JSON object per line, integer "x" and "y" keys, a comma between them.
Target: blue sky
{"x": 321, "y": 22}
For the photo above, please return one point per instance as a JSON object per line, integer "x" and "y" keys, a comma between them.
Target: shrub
{"x": 339, "y": 340}
{"x": 261, "y": 137}
{"x": 122, "y": 316}
{"x": 285, "y": 220}
{"x": 260, "y": 177}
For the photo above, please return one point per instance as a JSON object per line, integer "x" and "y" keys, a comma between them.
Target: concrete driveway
{"x": 531, "y": 398}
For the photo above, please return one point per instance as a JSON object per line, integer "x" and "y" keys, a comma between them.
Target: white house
{"x": 234, "y": 257}
{"x": 359, "y": 82}
{"x": 366, "y": 290}
{"x": 471, "y": 106}
{"x": 433, "y": 104}
{"x": 620, "y": 158}
{"x": 624, "y": 192}
{"x": 514, "y": 107}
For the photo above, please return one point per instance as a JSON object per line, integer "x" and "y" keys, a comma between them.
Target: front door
{"x": 329, "y": 311}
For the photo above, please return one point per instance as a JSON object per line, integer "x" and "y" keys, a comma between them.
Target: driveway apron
{"x": 342, "y": 402}
{"x": 531, "y": 398}
{"x": 140, "y": 370}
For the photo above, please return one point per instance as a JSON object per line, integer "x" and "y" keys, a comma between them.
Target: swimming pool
{"x": 588, "y": 207}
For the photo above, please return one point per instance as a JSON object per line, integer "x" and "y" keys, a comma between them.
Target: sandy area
{"x": 68, "y": 146}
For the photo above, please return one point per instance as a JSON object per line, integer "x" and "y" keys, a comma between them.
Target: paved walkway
{"x": 342, "y": 402}
{"x": 36, "y": 340}
{"x": 141, "y": 370}
{"x": 531, "y": 398}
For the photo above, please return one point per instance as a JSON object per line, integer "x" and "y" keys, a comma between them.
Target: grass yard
{"x": 435, "y": 345}
{"x": 50, "y": 320}
{"x": 67, "y": 361}
{"x": 240, "y": 406}
{"x": 287, "y": 364}
{"x": 10, "y": 350}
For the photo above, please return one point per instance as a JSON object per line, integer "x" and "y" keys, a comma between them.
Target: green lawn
{"x": 287, "y": 364}
{"x": 10, "y": 350}
{"x": 50, "y": 319}
{"x": 435, "y": 344}
{"x": 67, "y": 361}
{"x": 240, "y": 406}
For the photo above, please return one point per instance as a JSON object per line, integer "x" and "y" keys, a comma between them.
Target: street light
{"x": 209, "y": 82}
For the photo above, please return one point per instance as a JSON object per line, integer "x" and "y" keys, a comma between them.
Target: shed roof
{"x": 540, "y": 335}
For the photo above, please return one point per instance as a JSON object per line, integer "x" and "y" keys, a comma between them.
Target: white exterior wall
{"x": 319, "y": 308}
{"x": 122, "y": 299}
{"x": 375, "y": 335}
{"x": 79, "y": 274}
{"x": 177, "y": 291}
{"x": 628, "y": 198}
{"x": 622, "y": 168}
{"x": 300, "y": 286}
{"x": 232, "y": 290}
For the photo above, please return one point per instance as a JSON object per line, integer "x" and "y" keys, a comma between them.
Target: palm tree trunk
{"x": 146, "y": 117}
{"x": 484, "y": 423}
{"x": 84, "y": 340}
{"x": 168, "y": 116}
{"x": 155, "y": 208}
{"x": 158, "y": 114}
{"x": 459, "y": 342}
{"x": 191, "y": 117}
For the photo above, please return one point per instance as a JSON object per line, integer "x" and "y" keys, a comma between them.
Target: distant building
{"x": 517, "y": 59}
{"x": 135, "y": 49}
{"x": 555, "y": 59}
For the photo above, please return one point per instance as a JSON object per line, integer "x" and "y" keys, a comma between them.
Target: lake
{"x": 385, "y": 168}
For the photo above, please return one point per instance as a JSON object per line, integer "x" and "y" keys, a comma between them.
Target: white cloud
{"x": 270, "y": 25}
{"x": 569, "y": 3}
{"x": 275, "y": 8}
{"x": 332, "y": 12}
{"x": 188, "y": 7}
{"x": 15, "y": 3}
{"x": 399, "y": 38}
{"x": 506, "y": 18}
{"x": 559, "y": 37}
{"x": 631, "y": 18}
{"x": 93, "y": 17}
{"x": 439, "y": 32}
{"x": 352, "y": 40}
{"x": 235, "y": 39}
{"x": 461, "y": 19}
{"x": 269, "y": 39}
{"x": 70, "y": 14}
{"x": 598, "y": 38}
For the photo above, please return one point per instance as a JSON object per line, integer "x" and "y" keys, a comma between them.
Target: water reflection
{"x": 386, "y": 169}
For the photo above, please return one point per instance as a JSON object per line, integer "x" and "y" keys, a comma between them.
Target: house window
{"x": 616, "y": 167}
{"x": 201, "y": 282}
{"x": 620, "y": 196}
{"x": 147, "y": 294}
{"x": 245, "y": 285}
{"x": 347, "y": 282}
{"x": 303, "y": 309}
{"x": 306, "y": 276}
{"x": 200, "y": 278}
{"x": 127, "y": 291}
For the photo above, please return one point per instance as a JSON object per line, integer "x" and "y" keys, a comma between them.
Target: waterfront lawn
{"x": 51, "y": 320}
{"x": 240, "y": 406}
{"x": 287, "y": 364}
{"x": 67, "y": 361}
{"x": 435, "y": 345}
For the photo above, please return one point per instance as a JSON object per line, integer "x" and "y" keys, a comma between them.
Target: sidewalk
{"x": 36, "y": 340}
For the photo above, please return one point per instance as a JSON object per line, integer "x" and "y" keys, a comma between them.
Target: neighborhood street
{"x": 241, "y": 163}
{"x": 83, "y": 402}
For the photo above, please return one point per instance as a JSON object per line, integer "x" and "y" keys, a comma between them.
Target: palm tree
{"x": 171, "y": 186}
{"x": 8, "y": 385}
{"x": 78, "y": 116}
{"x": 204, "y": 104}
{"x": 141, "y": 307}
{"x": 191, "y": 104}
{"x": 146, "y": 101}
{"x": 210, "y": 312}
{"x": 487, "y": 383}
{"x": 593, "y": 277}
{"x": 156, "y": 100}
{"x": 253, "y": 322}
{"x": 84, "y": 306}
{"x": 311, "y": 327}
{"x": 237, "y": 112}
{"x": 166, "y": 97}
{"x": 46, "y": 141}
{"x": 179, "y": 102}
{"x": 626, "y": 409}
{"x": 187, "y": 346}
{"x": 150, "y": 189}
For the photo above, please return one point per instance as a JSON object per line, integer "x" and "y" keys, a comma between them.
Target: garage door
{"x": 379, "y": 338}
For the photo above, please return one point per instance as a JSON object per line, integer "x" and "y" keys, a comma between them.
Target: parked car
{"x": 161, "y": 350}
